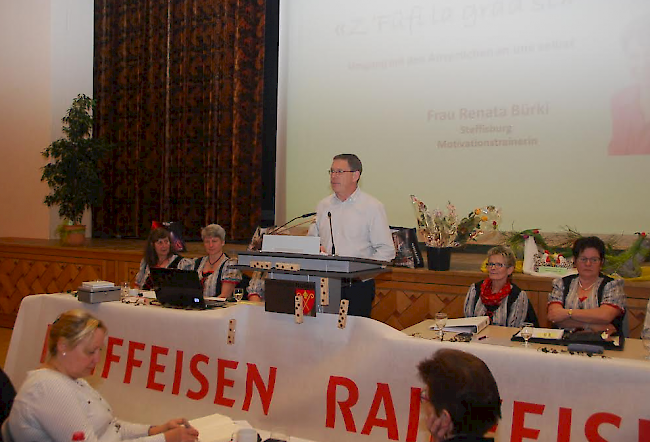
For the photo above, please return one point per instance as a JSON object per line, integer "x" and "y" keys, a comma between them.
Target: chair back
{"x": 5, "y": 435}
{"x": 7, "y": 395}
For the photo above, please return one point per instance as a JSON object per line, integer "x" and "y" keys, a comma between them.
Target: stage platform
{"x": 404, "y": 296}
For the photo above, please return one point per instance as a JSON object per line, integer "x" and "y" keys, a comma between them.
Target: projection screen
{"x": 540, "y": 107}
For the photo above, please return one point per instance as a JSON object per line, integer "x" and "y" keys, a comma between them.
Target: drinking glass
{"x": 124, "y": 289}
{"x": 441, "y": 321}
{"x": 239, "y": 294}
{"x": 527, "y": 332}
{"x": 645, "y": 338}
{"x": 245, "y": 435}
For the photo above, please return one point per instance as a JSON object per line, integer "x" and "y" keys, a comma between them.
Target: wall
{"x": 47, "y": 58}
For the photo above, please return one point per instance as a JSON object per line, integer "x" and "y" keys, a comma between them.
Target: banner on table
{"x": 324, "y": 383}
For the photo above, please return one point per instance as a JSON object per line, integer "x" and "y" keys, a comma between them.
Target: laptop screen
{"x": 181, "y": 288}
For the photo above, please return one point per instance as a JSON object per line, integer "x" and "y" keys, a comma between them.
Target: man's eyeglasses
{"x": 339, "y": 171}
{"x": 585, "y": 260}
{"x": 496, "y": 265}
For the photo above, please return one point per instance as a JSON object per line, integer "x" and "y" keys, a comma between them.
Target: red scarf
{"x": 204, "y": 277}
{"x": 491, "y": 299}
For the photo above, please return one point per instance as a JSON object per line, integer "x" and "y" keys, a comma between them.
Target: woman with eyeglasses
{"x": 588, "y": 300}
{"x": 497, "y": 297}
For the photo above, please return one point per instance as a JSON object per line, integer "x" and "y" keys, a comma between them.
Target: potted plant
{"x": 442, "y": 232}
{"x": 72, "y": 174}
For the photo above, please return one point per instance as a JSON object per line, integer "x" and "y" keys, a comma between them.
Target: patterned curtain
{"x": 179, "y": 87}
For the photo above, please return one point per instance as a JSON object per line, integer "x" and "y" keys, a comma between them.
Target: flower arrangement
{"x": 628, "y": 263}
{"x": 446, "y": 230}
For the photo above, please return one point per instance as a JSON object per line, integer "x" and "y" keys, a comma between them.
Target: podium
{"x": 325, "y": 273}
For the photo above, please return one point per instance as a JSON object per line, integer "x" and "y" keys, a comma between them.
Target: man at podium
{"x": 352, "y": 223}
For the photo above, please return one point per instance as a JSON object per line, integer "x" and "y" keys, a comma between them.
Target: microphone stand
{"x": 306, "y": 215}
{"x": 329, "y": 215}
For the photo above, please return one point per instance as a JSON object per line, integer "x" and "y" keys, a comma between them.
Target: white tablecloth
{"x": 323, "y": 383}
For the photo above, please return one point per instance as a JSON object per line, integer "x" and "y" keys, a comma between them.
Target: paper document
{"x": 97, "y": 284}
{"x": 215, "y": 428}
{"x": 148, "y": 294}
{"x": 545, "y": 333}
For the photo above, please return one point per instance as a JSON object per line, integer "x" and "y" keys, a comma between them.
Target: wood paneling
{"x": 404, "y": 296}
{"x": 37, "y": 266}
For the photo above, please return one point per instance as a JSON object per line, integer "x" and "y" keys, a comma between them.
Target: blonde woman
{"x": 55, "y": 403}
{"x": 215, "y": 270}
{"x": 497, "y": 297}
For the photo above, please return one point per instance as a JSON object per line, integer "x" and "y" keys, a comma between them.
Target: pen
{"x": 482, "y": 337}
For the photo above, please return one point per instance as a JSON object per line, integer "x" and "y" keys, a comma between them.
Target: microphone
{"x": 329, "y": 215}
{"x": 277, "y": 229}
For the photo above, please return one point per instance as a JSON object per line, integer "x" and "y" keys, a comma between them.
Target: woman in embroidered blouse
{"x": 579, "y": 302}
{"x": 159, "y": 252}
{"x": 497, "y": 297}
{"x": 217, "y": 275}
{"x": 56, "y": 404}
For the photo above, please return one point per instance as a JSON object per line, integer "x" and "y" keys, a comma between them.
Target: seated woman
{"x": 255, "y": 289}
{"x": 461, "y": 398}
{"x": 158, "y": 252}
{"x": 497, "y": 297}
{"x": 217, "y": 275}
{"x": 588, "y": 300}
{"x": 55, "y": 403}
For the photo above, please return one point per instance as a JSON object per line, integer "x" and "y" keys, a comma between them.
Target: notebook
{"x": 180, "y": 288}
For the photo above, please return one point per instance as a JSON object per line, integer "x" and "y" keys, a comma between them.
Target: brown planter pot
{"x": 73, "y": 235}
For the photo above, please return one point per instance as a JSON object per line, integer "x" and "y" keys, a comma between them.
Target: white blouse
{"x": 51, "y": 406}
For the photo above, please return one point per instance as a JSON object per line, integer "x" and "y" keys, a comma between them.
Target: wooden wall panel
{"x": 31, "y": 266}
{"x": 404, "y": 296}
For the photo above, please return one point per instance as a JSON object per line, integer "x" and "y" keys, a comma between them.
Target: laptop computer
{"x": 180, "y": 288}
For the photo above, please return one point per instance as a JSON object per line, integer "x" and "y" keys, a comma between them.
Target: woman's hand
{"x": 175, "y": 423}
{"x": 557, "y": 314}
{"x": 169, "y": 425}
{"x": 440, "y": 427}
{"x": 176, "y": 430}
{"x": 182, "y": 434}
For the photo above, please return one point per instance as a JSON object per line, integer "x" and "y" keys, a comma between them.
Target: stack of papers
{"x": 215, "y": 428}
{"x": 94, "y": 285}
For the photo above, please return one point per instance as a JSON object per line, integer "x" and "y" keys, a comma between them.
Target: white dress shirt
{"x": 359, "y": 224}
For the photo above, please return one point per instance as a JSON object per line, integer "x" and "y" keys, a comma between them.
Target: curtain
{"x": 179, "y": 91}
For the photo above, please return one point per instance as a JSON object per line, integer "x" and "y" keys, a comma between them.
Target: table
{"x": 500, "y": 336}
{"x": 321, "y": 382}
{"x": 219, "y": 428}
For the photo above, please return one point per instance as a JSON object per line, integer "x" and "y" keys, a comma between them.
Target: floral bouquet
{"x": 445, "y": 230}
